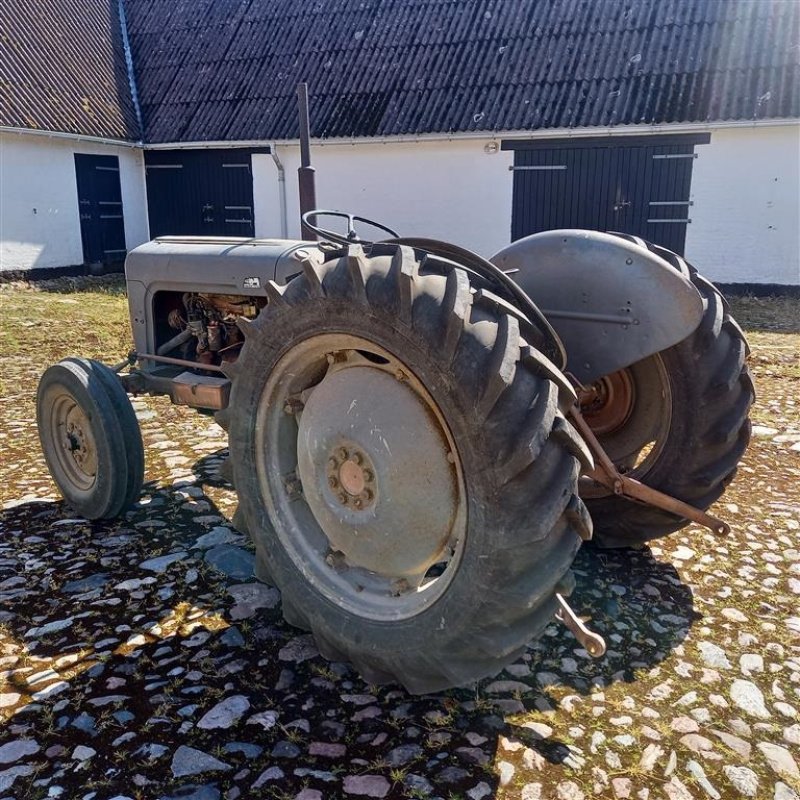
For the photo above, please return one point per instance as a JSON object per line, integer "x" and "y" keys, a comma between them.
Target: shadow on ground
{"x": 104, "y": 653}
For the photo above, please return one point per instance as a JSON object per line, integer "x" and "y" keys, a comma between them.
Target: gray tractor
{"x": 421, "y": 439}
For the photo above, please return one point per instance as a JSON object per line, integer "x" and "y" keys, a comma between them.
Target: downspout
{"x": 281, "y": 192}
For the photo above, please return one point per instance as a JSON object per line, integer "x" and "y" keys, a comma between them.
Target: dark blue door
{"x": 200, "y": 192}
{"x": 100, "y": 206}
{"x": 626, "y": 184}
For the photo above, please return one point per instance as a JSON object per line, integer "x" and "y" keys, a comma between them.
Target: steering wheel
{"x": 352, "y": 237}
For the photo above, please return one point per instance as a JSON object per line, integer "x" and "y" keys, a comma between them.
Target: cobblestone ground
{"x": 139, "y": 659}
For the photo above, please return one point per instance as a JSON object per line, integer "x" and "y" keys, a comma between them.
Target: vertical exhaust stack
{"x": 305, "y": 174}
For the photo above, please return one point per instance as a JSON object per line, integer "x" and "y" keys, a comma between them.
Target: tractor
{"x": 421, "y": 439}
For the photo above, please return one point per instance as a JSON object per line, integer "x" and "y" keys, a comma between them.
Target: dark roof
{"x": 62, "y": 68}
{"x": 227, "y": 69}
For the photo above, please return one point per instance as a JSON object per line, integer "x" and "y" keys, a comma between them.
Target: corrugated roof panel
{"x": 62, "y": 68}
{"x": 211, "y": 69}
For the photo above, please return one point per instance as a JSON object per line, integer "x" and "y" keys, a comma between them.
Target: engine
{"x": 206, "y": 325}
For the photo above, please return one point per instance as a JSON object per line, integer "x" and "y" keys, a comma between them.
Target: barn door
{"x": 639, "y": 186}
{"x": 100, "y": 208}
{"x": 200, "y": 192}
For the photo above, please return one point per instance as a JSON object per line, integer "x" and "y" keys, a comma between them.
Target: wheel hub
{"x": 376, "y": 472}
{"x": 351, "y": 471}
{"x": 78, "y": 452}
{"x": 606, "y": 405}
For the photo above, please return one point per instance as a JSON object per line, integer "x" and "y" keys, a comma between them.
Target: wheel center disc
{"x": 352, "y": 478}
{"x": 373, "y": 461}
{"x": 78, "y": 453}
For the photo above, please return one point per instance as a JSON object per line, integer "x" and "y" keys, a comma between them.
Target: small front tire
{"x": 90, "y": 437}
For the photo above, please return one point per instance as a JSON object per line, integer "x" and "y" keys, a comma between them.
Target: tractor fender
{"x": 611, "y": 301}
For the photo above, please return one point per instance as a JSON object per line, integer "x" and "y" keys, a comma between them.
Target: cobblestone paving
{"x": 139, "y": 659}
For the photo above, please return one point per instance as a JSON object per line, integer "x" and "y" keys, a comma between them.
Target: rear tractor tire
{"x": 677, "y": 421}
{"x": 90, "y": 437}
{"x": 404, "y": 468}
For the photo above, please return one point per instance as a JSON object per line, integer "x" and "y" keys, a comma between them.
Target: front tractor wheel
{"x": 90, "y": 437}
{"x": 388, "y": 441}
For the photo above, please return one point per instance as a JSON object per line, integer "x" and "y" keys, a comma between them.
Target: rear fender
{"x": 611, "y": 301}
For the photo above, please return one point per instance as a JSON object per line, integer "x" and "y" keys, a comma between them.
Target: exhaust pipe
{"x": 305, "y": 174}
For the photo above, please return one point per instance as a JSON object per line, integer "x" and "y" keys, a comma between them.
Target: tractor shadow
{"x": 145, "y": 654}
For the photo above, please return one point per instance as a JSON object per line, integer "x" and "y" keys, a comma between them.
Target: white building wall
{"x": 452, "y": 190}
{"x": 745, "y": 189}
{"x": 746, "y": 215}
{"x": 39, "y": 217}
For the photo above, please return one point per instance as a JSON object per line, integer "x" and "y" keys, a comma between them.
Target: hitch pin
{"x": 593, "y": 643}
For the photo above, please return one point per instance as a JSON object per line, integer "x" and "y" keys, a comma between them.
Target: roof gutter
{"x": 74, "y": 137}
{"x": 551, "y": 133}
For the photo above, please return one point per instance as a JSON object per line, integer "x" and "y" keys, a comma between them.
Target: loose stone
{"x": 366, "y": 785}
{"x": 9, "y": 776}
{"x": 162, "y": 562}
{"x": 739, "y": 746}
{"x": 780, "y": 759}
{"x": 713, "y": 656}
{"x": 698, "y": 773}
{"x": 231, "y": 560}
{"x": 480, "y": 791}
{"x": 299, "y": 649}
{"x": 8, "y": 699}
{"x": 650, "y": 757}
{"x": 226, "y": 713}
{"x": 83, "y": 753}
{"x": 50, "y": 627}
{"x": 750, "y": 663}
{"x": 782, "y": 791}
{"x": 569, "y": 790}
{"x": 748, "y": 697}
{"x": 189, "y": 761}
{"x": 744, "y": 780}
{"x": 14, "y": 751}
{"x": 271, "y": 774}
{"x": 622, "y": 787}
{"x": 506, "y": 772}
{"x": 331, "y": 750}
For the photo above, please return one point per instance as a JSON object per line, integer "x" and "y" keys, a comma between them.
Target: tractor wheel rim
{"x": 362, "y": 476}
{"x": 76, "y": 449}
{"x": 636, "y": 443}
{"x": 607, "y": 404}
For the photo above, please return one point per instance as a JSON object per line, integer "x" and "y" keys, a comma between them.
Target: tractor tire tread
{"x": 716, "y": 397}
{"x": 495, "y": 380}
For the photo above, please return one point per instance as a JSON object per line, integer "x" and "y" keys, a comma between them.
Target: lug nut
{"x": 357, "y": 502}
{"x": 332, "y": 482}
{"x": 357, "y": 458}
{"x": 333, "y": 463}
{"x": 343, "y": 498}
{"x": 342, "y": 453}
{"x": 368, "y": 476}
{"x": 368, "y": 495}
